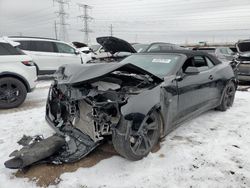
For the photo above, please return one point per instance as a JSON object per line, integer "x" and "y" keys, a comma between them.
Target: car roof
{"x": 187, "y": 53}
{"x": 32, "y": 38}
{"x": 243, "y": 41}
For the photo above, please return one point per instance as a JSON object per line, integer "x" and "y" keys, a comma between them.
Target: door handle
{"x": 211, "y": 77}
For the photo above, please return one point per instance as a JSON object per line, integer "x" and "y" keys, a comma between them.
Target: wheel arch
{"x": 141, "y": 116}
{"x": 18, "y": 77}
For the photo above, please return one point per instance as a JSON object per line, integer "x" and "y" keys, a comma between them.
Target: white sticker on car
{"x": 161, "y": 60}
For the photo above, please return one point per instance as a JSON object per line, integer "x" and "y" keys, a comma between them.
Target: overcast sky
{"x": 177, "y": 21}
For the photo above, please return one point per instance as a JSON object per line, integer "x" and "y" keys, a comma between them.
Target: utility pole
{"x": 111, "y": 30}
{"x": 86, "y": 19}
{"x": 55, "y": 27}
{"x": 63, "y": 34}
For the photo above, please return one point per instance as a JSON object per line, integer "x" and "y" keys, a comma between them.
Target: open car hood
{"x": 79, "y": 44}
{"x": 114, "y": 45}
{"x": 244, "y": 47}
{"x": 74, "y": 74}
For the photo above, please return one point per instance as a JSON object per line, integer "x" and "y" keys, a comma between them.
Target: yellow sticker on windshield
{"x": 161, "y": 60}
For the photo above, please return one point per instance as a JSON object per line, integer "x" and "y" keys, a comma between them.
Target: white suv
{"x": 50, "y": 54}
{"x": 18, "y": 75}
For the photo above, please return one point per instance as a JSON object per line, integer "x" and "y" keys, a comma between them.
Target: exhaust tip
{"x": 15, "y": 163}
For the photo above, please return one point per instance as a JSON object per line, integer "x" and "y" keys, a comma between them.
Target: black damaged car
{"x": 133, "y": 103}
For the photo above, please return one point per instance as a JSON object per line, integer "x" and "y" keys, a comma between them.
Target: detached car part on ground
{"x": 243, "y": 59}
{"x": 133, "y": 103}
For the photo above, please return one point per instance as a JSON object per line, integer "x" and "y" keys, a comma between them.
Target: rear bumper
{"x": 244, "y": 77}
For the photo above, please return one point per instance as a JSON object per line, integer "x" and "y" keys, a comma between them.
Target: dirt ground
{"x": 49, "y": 174}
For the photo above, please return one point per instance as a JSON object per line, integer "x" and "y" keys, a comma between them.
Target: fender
{"x": 140, "y": 105}
{"x": 17, "y": 76}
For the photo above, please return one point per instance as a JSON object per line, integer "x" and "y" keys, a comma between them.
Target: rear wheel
{"x": 12, "y": 92}
{"x": 135, "y": 139}
{"x": 228, "y": 97}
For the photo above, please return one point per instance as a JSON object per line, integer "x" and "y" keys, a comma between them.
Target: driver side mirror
{"x": 192, "y": 70}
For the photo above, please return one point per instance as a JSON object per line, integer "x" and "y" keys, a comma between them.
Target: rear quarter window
{"x": 7, "y": 49}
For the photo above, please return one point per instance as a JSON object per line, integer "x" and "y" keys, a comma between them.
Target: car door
{"x": 195, "y": 90}
{"x": 43, "y": 53}
{"x": 67, "y": 54}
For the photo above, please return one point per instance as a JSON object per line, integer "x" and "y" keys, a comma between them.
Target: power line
{"x": 63, "y": 34}
{"x": 86, "y": 19}
{"x": 55, "y": 27}
{"x": 111, "y": 30}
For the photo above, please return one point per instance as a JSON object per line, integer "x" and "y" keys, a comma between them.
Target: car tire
{"x": 12, "y": 92}
{"x": 135, "y": 139}
{"x": 228, "y": 97}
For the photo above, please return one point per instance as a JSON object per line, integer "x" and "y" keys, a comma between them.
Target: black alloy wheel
{"x": 228, "y": 97}
{"x": 12, "y": 92}
{"x": 135, "y": 139}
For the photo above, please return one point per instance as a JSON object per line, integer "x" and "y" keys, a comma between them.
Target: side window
{"x": 43, "y": 46}
{"x": 202, "y": 63}
{"x": 64, "y": 48}
{"x": 209, "y": 62}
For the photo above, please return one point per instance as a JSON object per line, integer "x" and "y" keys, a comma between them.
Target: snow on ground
{"x": 212, "y": 150}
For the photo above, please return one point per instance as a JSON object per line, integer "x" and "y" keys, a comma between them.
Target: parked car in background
{"x": 210, "y": 50}
{"x": 50, "y": 54}
{"x": 18, "y": 75}
{"x": 84, "y": 48}
{"x": 243, "y": 48}
{"x": 224, "y": 53}
{"x": 111, "y": 49}
{"x": 156, "y": 46}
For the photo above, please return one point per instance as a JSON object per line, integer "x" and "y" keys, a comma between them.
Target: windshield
{"x": 140, "y": 47}
{"x": 95, "y": 47}
{"x": 157, "y": 64}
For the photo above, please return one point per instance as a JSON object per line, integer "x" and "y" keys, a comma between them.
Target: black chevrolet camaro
{"x": 134, "y": 103}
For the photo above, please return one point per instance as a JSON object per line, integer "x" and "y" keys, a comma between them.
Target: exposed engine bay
{"x": 94, "y": 108}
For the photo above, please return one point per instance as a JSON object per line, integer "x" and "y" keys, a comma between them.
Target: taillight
{"x": 28, "y": 63}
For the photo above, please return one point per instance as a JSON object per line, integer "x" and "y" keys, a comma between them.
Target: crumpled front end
{"x": 85, "y": 113}
{"x": 93, "y": 107}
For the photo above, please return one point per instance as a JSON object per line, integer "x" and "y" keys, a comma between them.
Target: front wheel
{"x": 228, "y": 97}
{"x": 135, "y": 139}
{"x": 12, "y": 92}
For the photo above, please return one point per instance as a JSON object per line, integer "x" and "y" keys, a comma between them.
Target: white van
{"x": 50, "y": 54}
